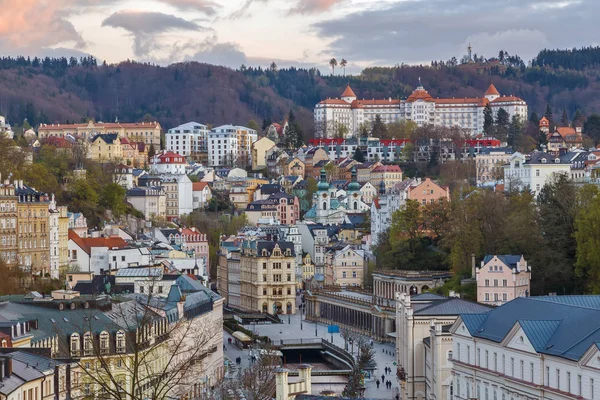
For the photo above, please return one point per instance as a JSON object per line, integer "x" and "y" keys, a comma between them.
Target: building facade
{"x": 489, "y": 163}
{"x": 33, "y": 231}
{"x": 8, "y": 223}
{"x": 189, "y": 140}
{"x": 530, "y": 348}
{"x": 230, "y": 145}
{"x": 268, "y": 277}
{"x": 502, "y": 278}
{"x": 145, "y": 132}
{"x": 420, "y": 107}
{"x": 533, "y": 172}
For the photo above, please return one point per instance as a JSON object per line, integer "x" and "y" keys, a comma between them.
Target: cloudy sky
{"x": 294, "y": 32}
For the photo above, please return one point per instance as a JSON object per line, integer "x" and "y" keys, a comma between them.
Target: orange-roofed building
{"x": 201, "y": 194}
{"x": 563, "y": 138}
{"x": 420, "y": 107}
{"x": 92, "y": 254}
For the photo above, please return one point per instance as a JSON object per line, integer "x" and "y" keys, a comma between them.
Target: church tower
{"x": 323, "y": 199}
{"x": 353, "y": 193}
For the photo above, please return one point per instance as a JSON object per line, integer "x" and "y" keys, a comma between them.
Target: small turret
{"x": 323, "y": 185}
{"x": 381, "y": 187}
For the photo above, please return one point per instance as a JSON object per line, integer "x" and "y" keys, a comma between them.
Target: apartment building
{"x": 33, "y": 231}
{"x": 8, "y": 223}
{"x": 230, "y": 145}
{"x": 502, "y": 278}
{"x": 189, "y": 140}
{"x": 268, "y": 276}
{"x": 145, "y": 132}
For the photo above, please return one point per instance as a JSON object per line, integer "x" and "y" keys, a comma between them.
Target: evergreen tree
{"x": 358, "y": 155}
{"x": 564, "y": 120}
{"x": 514, "y": 130}
{"x": 379, "y": 128}
{"x": 266, "y": 123}
{"x": 488, "y": 120}
{"x": 548, "y": 115}
{"x": 591, "y": 127}
{"x": 502, "y": 124}
{"x": 534, "y": 119}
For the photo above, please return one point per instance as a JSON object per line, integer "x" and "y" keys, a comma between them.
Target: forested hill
{"x": 69, "y": 90}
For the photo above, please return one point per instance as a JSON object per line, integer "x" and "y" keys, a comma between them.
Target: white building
{"x": 201, "y": 194}
{"x": 386, "y": 204}
{"x": 230, "y": 145}
{"x": 530, "y": 348}
{"x": 180, "y": 193}
{"x": 489, "y": 164}
{"x": 169, "y": 163}
{"x": 151, "y": 201}
{"x": 423, "y": 342}
{"x": 5, "y": 129}
{"x": 187, "y": 139}
{"x": 53, "y": 215}
{"x": 91, "y": 254}
{"x": 419, "y": 107}
{"x": 533, "y": 172}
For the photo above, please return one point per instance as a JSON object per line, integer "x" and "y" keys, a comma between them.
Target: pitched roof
{"x": 420, "y": 94}
{"x": 108, "y": 138}
{"x": 508, "y": 259}
{"x": 86, "y": 244}
{"x": 573, "y": 328}
{"x": 348, "y": 92}
{"x": 198, "y": 186}
{"x": 452, "y": 306}
{"x": 492, "y": 90}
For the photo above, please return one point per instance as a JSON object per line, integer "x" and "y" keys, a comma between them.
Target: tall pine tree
{"x": 488, "y": 120}
{"x": 564, "y": 120}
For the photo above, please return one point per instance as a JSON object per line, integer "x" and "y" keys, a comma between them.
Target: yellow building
{"x": 33, "y": 231}
{"x": 145, "y": 132}
{"x": 294, "y": 167}
{"x": 106, "y": 147}
{"x": 308, "y": 268}
{"x": 259, "y": 153}
{"x": 8, "y": 223}
{"x": 267, "y": 277}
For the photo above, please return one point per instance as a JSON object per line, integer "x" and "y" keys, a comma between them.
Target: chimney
{"x": 7, "y": 367}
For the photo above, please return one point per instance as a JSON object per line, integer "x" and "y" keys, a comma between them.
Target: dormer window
{"x": 120, "y": 342}
{"x": 88, "y": 346}
{"x": 543, "y": 161}
{"x": 75, "y": 344}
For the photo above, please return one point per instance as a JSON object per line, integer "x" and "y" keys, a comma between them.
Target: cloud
{"x": 207, "y": 7}
{"x": 415, "y": 31}
{"x": 225, "y": 54}
{"x": 244, "y": 10}
{"x": 313, "y": 6}
{"x": 31, "y": 24}
{"x": 146, "y": 28}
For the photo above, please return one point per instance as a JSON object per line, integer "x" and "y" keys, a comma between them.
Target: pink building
{"x": 502, "y": 278}
{"x": 428, "y": 192}
{"x": 197, "y": 241}
{"x": 288, "y": 209}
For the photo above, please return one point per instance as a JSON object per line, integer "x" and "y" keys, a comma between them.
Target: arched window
{"x": 356, "y": 205}
{"x": 88, "y": 345}
{"x": 75, "y": 344}
{"x": 324, "y": 205}
{"x": 104, "y": 342}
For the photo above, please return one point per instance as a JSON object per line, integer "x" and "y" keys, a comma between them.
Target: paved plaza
{"x": 295, "y": 327}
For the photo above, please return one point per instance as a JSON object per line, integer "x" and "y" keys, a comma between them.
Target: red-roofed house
{"x": 420, "y": 107}
{"x": 92, "y": 254}
{"x": 169, "y": 163}
{"x": 201, "y": 194}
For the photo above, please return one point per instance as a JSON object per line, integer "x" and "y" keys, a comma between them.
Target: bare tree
{"x": 144, "y": 346}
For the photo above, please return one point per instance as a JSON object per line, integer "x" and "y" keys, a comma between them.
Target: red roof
{"x": 86, "y": 244}
{"x": 507, "y": 98}
{"x": 480, "y": 101}
{"x": 335, "y": 101}
{"x": 376, "y": 202}
{"x": 169, "y": 157}
{"x": 544, "y": 122}
{"x": 198, "y": 186}
{"x": 419, "y": 94}
{"x": 387, "y": 168}
{"x": 114, "y": 125}
{"x": 348, "y": 92}
{"x": 492, "y": 90}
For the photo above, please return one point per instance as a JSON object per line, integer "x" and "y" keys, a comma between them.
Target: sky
{"x": 301, "y": 33}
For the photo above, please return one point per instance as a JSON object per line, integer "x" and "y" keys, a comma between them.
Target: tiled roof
{"x": 108, "y": 138}
{"x": 420, "y": 94}
{"x": 492, "y": 90}
{"x": 348, "y": 92}
{"x": 198, "y": 186}
{"x": 508, "y": 259}
{"x": 86, "y": 244}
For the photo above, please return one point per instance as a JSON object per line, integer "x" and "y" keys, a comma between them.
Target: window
{"x": 88, "y": 346}
{"x": 495, "y": 282}
{"x": 120, "y": 342}
{"x": 343, "y": 274}
{"x": 591, "y": 389}
{"x": 558, "y": 379}
{"x": 487, "y": 297}
{"x": 74, "y": 344}
{"x": 141, "y": 289}
{"x": 468, "y": 355}
{"x": 487, "y": 359}
{"x": 522, "y": 369}
{"x": 479, "y": 357}
{"x": 579, "y": 385}
{"x": 504, "y": 297}
{"x": 487, "y": 281}
{"x": 531, "y": 372}
{"x": 512, "y": 366}
{"x": 569, "y": 382}
{"x": 504, "y": 282}
{"x": 495, "y": 361}
{"x": 547, "y": 376}
{"x": 354, "y": 274}
{"x": 104, "y": 342}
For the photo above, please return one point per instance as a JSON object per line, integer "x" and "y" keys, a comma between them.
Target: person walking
{"x": 382, "y": 378}
{"x": 377, "y": 383}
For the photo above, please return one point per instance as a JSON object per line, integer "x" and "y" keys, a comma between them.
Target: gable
{"x": 591, "y": 358}
{"x": 460, "y": 328}
{"x": 518, "y": 340}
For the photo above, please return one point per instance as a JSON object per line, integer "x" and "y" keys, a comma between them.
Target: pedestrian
{"x": 386, "y": 370}
{"x": 377, "y": 383}
{"x": 389, "y": 384}
{"x": 382, "y": 378}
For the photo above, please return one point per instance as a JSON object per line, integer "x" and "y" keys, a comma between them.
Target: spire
{"x": 382, "y": 187}
{"x": 323, "y": 175}
{"x": 354, "y": 185}
{"x": 492, "y": 91}
{"x": 348, "y": 92}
